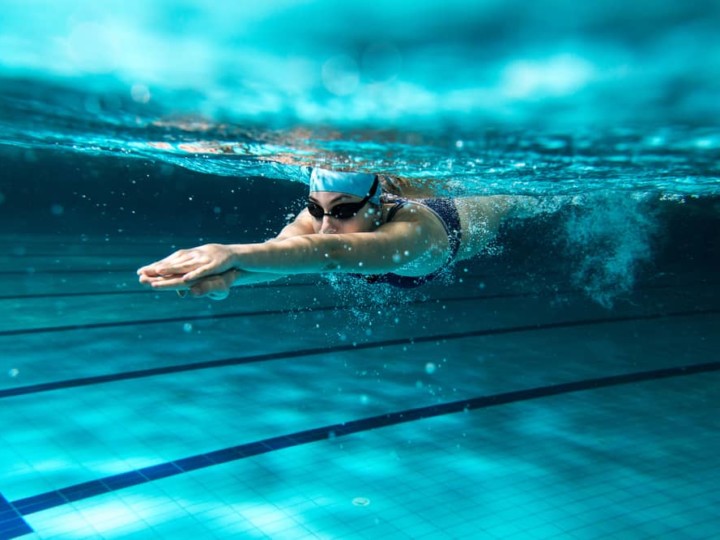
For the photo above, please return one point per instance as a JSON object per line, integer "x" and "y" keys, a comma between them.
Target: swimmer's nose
{"x": 327, "y": 226}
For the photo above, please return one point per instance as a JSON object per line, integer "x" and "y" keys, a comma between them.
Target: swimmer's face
{"x": 365, "y": 220}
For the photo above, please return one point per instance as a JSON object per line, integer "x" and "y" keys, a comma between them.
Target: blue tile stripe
{"x": 284, "y": 355}
{"x": 85, "y": 490}
{"x": 144, "y": 322}
{"x": 36, "y": 296}
{"x": 217, "y": 316}
{"x": 12, "y": 524}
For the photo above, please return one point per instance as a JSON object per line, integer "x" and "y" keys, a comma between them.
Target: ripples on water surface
{"x": 491, "y": 97}
{"x": 484, "y": 159}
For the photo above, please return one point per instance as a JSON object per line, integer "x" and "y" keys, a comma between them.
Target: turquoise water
{"x": 564, "y": 384}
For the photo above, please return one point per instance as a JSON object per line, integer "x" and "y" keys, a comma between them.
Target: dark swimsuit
{"x": 446, "y": 211}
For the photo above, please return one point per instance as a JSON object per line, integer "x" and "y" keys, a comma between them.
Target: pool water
{"x": 564, "y": 384}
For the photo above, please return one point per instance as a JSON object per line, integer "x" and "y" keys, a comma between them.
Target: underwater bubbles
{"x": 140, "y": 93}
{"x": 611, "y": 236}
{"x": 341, "y": 75}
{"x": 370, "y": 304}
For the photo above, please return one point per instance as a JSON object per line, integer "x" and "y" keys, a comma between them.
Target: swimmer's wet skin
{"x": 350, "y": 225}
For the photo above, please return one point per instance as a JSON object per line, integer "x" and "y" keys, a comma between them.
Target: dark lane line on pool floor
{"x": 78, "y": 492}
{"x": 293, "y": 285}
{"x": 186, "y": 318}
{"x": 284, "y": 355}
{"x": 131, "y": 274}
{"x": 12, "y": 525}
{"x": 274, "y": 285}
{"x": 126, "y": 292}
{"x": 165, "y": 320}
{"x": 46, "y": 271}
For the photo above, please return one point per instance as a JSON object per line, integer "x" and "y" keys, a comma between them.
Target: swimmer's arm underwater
{"x": 168, "y": 272}
{"x": 388, "y": 249}
{"x": 413, "y": 244}
{"x": 392, "y": 247}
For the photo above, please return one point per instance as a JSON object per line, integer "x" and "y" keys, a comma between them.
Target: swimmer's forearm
{"x": 296, "y": 255}
{"x": 315, "y": 253}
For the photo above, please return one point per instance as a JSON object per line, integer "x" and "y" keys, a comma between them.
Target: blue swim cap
{"x": 350, "y": 183}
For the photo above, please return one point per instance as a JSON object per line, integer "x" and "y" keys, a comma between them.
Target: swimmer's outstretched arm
{"x": 388, "y": 248}
{"x": 161, "y": 271}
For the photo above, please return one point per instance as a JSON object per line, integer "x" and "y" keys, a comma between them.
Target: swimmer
{"x": 354, "y": 223}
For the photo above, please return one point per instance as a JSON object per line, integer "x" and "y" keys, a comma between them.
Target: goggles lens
{"x": 339, "y": 211}
{"x": 344, "y": 210}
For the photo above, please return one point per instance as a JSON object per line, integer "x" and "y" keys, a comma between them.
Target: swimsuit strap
{"x": 446, "y": 211}
{"x": 399, "y": 203}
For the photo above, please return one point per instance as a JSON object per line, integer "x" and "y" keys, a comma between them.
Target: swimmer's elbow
{"x": 331, "y": 255}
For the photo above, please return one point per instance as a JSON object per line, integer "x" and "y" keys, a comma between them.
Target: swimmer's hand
{"x": 215, "y": 287}
{"x": 190, "y": 264}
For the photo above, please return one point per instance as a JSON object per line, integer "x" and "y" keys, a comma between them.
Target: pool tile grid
{"x": 90, "y": 403}
{"x": 592, "y": 496}
{"x": 504, "y": 474}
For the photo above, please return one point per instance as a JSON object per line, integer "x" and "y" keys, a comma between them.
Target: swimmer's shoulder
{"x": 399, "y": 209}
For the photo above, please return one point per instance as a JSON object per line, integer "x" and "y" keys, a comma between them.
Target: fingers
{"x": 175, "y": 279}
{"x": 171, "y": 284}
{"x": 179, "y": 262}
{"x": 203, "y": 271}
{"x": 181, "y": 265}
{"x": 146, "y": 279}
{"x": 197, "y": 271}
{"x": 214, "y": 288}
{"x": 195, "y": 263}
{"x": 149, "y": 270}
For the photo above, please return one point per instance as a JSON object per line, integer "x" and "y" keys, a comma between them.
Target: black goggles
{"x": 344, "y": 210}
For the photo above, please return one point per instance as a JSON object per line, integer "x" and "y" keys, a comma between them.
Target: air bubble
{"x": 340, "y": 75}
{"x": 140, "y": 93}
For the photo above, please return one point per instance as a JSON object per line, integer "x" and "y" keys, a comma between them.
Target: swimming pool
{"x": 562, "y": 385}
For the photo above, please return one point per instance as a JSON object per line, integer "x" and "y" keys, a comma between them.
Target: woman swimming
{"x": 352, "y": 224}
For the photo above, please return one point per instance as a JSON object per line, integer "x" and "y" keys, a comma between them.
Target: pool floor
{"x": 493, "y": 407}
